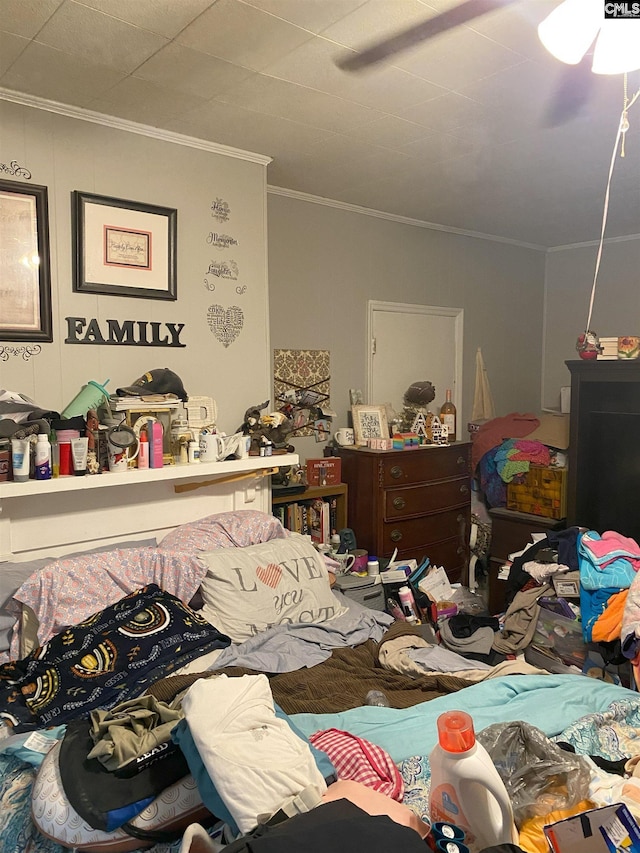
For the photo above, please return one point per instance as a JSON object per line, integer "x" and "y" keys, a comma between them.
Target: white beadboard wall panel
{"x": 67, "y": 153}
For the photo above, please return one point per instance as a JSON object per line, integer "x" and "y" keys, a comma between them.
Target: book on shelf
{"x": 333, "y": 514}
{"x": 308, "y": 518}
{"x": 324, "y": 472}
{"x": 148, "y": 401}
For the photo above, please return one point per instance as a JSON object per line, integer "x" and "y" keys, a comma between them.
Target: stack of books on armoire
{"x": 316, "y": 517}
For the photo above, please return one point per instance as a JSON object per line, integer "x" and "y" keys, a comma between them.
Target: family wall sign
{"x": 124, "y": 333}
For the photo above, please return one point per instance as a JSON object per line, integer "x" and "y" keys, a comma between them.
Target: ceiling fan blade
{"x": 461, "y": 14}
{"x": 571, "y": 94}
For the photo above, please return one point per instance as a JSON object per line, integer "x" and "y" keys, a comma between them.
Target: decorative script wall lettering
{"x": 125, "y": 333}
{"x": 221, "y": 241}
{"x": 220, "y": 210}
{"x": 14, "y": 169}
{"x": 225, "y": 325}
{"x": 23, "y": 350}
{"x": 224, "y": 269}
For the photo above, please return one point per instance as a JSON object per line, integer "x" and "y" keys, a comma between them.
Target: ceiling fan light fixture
{"x": 570, "y": 30}
{"x": 617, "y": 47}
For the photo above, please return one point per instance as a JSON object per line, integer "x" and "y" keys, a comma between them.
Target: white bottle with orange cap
{"x": 466, "y": 789}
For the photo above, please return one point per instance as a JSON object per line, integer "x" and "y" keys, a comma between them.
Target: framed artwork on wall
{"x": 124, "y": 248}
{"x": 25, "y": 282}
{"x": 369, "y": 422}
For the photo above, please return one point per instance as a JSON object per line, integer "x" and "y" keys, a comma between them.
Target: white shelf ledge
{"x": 45, "y": 518}
{"x": 134, "y": 476}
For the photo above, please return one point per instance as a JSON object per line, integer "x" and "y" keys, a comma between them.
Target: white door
{"x": 410, "y": 343}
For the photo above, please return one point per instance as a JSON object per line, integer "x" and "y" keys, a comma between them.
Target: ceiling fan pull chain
{"x": 624, "y": 121}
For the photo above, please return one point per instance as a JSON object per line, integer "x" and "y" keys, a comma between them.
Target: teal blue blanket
{"x": 550, "y": 702}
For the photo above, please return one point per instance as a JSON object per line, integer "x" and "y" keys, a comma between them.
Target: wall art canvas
{"x": 302, "y": 378}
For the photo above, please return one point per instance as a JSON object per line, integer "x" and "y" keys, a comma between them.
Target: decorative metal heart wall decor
{"x": 225, "y": 325}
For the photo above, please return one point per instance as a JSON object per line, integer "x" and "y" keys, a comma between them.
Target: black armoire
{"x": 603, "y": 480}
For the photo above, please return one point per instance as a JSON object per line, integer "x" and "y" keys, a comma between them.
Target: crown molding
{"x": 131, "y": 126}
{"x": 392, "y": 217}
{"x": 590, "y": 243}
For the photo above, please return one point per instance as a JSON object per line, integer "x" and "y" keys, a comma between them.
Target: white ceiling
{"x": 452, "y": 132}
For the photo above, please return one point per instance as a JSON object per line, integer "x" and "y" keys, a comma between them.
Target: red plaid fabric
{"x": 361, "y": 761}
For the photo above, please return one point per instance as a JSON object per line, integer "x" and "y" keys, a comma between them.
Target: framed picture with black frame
{"x": 25, "y": 282}
{"x": 124, "y": 248}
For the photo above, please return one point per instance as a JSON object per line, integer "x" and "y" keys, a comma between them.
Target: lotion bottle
{"x": 43, "y": 457}
{"x": 143, "y": 451}
{"x": 466, "y": 789}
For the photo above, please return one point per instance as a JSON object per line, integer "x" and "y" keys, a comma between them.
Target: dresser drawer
{"x": 424, "y": 465}
{"x": 414, "y": 534}
{"x": 452, "y": 556}
{"x": 419, "y": 500}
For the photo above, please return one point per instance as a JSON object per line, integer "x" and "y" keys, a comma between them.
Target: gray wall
{"x": 325, "y": 263}
{"x": 569, "y": 279}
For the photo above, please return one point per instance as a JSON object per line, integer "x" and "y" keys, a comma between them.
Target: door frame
{"x": 432, "y": 310}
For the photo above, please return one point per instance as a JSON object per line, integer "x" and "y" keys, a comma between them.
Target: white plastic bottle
{"x": 466, "y": 788}
{"x": 43, "y": 457}
{"x": 407, "y": 603}
{"x": 373, "y": 567}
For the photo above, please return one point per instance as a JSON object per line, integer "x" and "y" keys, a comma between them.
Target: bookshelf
{"x": 324, "y": 493}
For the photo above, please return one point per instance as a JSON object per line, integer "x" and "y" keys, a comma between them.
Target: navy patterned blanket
{"x": 110, "y": 657}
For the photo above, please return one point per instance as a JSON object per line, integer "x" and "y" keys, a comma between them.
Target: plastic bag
{"x": 539, "y": 776}
{"x": 469, "y": 602}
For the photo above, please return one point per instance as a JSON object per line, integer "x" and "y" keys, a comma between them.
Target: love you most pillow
{"x": 247, "y": 590}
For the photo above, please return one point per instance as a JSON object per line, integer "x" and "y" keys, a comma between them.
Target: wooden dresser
{"x": 511, "y": 532}
{"x": 417, "y": 501}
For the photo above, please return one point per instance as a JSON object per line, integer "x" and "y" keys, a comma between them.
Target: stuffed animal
{"x": 251, "y": 420}
{"x": 276, "y": 427}
{"x": 271, "y": 428}
{"x": 419, "y": 393}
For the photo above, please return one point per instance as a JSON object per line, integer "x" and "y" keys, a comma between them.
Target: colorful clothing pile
{"x": 515, "y": 456}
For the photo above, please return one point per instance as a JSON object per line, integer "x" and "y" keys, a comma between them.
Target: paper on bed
{"x": 604, "y": 830}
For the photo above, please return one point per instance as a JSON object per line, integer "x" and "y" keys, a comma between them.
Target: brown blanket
{"x": 337, "y": 684}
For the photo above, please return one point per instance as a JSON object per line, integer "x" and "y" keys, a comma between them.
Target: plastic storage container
{"x": 466, "y": 788}
{"x": 543, "y": 491}
{"x": 364, "y": 590}
{"x": 560, "y": 636}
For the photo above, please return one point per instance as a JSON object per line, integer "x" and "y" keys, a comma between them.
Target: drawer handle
{"x": 460, "y": 518}
{"x": 460, "y": 550}
{"x": 461, "y": 460}
{"x": 399, "y": 503}
{"x": 396, "y": 536}
{"x": 396, "y": 472}
{"x": 464, "y": 489}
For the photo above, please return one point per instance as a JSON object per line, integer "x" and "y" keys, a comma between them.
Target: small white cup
{"x": 345, "y": 437}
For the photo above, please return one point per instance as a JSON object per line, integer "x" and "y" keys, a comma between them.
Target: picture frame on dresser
{"x": 369, "y": 422}
{"x": 124, "y": 248}
{"x": 25, "y": 314}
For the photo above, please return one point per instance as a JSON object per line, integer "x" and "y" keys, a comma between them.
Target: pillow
{"x": 235, "y": 529}
{"x": 247, "y": 590}
{"x": 14, "y": 574}
{"x": 174, "y": 809}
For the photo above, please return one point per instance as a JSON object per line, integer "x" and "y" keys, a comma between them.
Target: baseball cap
{"x": 161, "y": 380}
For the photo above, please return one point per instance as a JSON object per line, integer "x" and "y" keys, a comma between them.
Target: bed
{"x": 233, "y": 594}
